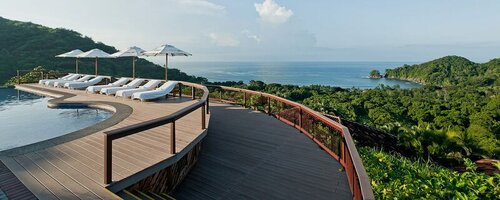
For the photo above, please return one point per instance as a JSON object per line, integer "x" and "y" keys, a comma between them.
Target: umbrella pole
{"x": 133, "y": 67}
{"x": 166, "y": 67}
{"x": 76, "y": 65}
{"x": 96, "y": 66}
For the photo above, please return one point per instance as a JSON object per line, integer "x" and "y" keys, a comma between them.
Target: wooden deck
{"x": 74, "y": 169}
{"x": 250, "y": 155}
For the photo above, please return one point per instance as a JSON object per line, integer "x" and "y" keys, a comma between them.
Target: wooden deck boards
{"x": 250, "y": 155}
{"x": 11, "y": 187}
{"x": 74, "y": 170}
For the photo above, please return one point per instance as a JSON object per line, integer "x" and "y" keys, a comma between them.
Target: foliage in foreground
{"x": 396, "y": 177}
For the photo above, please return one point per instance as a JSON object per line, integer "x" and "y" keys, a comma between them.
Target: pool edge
{"x": 120, "y": 112}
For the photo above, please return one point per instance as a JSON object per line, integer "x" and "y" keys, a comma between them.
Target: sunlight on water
{"x": 340, "y": 74}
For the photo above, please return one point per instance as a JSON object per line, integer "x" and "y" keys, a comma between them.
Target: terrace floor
{"x": 250, "y": 155}
{"x": 71, "y": 167}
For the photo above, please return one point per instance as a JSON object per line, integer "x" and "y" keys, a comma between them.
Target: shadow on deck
{"x": 250, "y": 155}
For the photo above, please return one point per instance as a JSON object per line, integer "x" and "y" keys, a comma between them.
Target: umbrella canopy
{"x": 133, "y": 52}
{"x": 72, "y": 54}
{"x": 95, "y": 53}
{"x": 166, "y": 50}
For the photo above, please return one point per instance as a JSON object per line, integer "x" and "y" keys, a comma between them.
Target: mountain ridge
{"x": 26, "y": 45}
{"x": 449, "y": 71}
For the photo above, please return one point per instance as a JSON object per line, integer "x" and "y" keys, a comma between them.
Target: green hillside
{"x": 449, "y": 71}
{"x": 24, "y": 45}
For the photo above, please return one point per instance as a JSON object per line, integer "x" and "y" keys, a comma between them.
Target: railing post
{"x": 342, "y": 153}
{"x": 300, "y": 119}
{"x": 244, "y": 99}
{"x": 108, "y": 155}
{"x": 172, "y": 138}
{"x": 18, "y": 78}
{"x": 192, "y": 93}
{"x": 180, "y": 90}
{"x": 208, "y": 106}
{"x": 203, "y": 117}
{"x": 269, "y": 105}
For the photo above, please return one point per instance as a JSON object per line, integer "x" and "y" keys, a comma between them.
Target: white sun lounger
{"x": 152, "y": 84}
{"x": 71, "y": 78}
{"x": 62, "y": 82}
{"x": 117, "y": 83}
{"x": 154, "y": 94}
{"x": 112, "y": 90}
{"x": 85, "y": 84}
{"x": 42, "y": 82}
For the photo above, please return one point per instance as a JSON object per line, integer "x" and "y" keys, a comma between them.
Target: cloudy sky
{"x": 279, "y": 30}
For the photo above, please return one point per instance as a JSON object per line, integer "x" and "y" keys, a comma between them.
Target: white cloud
{"x": 270, "y": 11}
{"x": 248, "y": 34}
{"x": 224, "y": 40}
{"x": 201, "y": 7}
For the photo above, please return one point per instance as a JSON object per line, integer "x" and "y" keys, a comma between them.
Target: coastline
{"x": 417, "y": 81}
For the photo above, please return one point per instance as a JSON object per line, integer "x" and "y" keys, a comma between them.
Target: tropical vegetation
{"x": 396, "y": 177}
{"x": 25, "y": 45}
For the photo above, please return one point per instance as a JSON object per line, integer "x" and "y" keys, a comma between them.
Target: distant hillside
{"x": 24, "y": 45}
{"x": 448, "y": 71}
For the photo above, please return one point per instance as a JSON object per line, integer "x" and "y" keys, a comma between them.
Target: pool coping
{"x": 120, "y": 112}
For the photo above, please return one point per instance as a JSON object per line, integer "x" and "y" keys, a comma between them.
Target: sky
{"x": 279, "y": 30}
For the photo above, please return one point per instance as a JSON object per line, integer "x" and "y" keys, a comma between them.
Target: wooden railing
{"x": 109, "y": 136}
{"x": 330, "y": 135}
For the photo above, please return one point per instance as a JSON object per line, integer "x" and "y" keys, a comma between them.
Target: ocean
{"x": 340, "y": 74}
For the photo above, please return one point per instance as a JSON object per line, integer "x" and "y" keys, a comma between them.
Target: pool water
{"x": 26, "y": 119}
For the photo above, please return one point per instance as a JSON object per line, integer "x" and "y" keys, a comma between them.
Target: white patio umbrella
{"x": 133, "y": 52}
{"x": 95, "y": 53}
{"x": 72, "y": 54}
{"x": 167, "y": 50}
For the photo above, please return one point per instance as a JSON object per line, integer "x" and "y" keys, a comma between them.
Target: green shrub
{"x": 396, "y": 177}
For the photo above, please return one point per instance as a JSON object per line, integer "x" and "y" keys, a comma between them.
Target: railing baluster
{"x": 180, "y": 90}
{"x": 300, "y": 118}
{"x": 108, "y": 156}
{"x": 203, "y": 117}
{"x": 172, "y": 137}
{"x": 244, "y": 99}
{"x": 193, "y": 94}
{"x": 269, "y": 105}
{"x": 208, "y": 107}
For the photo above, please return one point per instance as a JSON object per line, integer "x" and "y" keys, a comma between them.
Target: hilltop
{"x": 449, "y": 71}
{"x": 25, "y": 45}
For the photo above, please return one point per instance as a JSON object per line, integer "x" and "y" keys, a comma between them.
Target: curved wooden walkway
{"x": 250, "y": 155}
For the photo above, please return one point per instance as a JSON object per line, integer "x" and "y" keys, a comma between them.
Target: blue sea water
{"x": 26, "y": 119}
{"x": 340, "y": 74}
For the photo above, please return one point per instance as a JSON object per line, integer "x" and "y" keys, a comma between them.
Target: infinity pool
{"x": 26, "y": 119}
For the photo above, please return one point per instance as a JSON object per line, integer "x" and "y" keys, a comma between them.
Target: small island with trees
{"x": 375, "y": 74}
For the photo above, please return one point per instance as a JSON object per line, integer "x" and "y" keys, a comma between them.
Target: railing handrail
{"x": 142, "y": 126}
{"x": 362, "y": 176}
{"x": 111, "y": 135}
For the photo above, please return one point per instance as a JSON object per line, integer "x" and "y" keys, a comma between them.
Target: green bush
{"x": 396, "y": 177}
